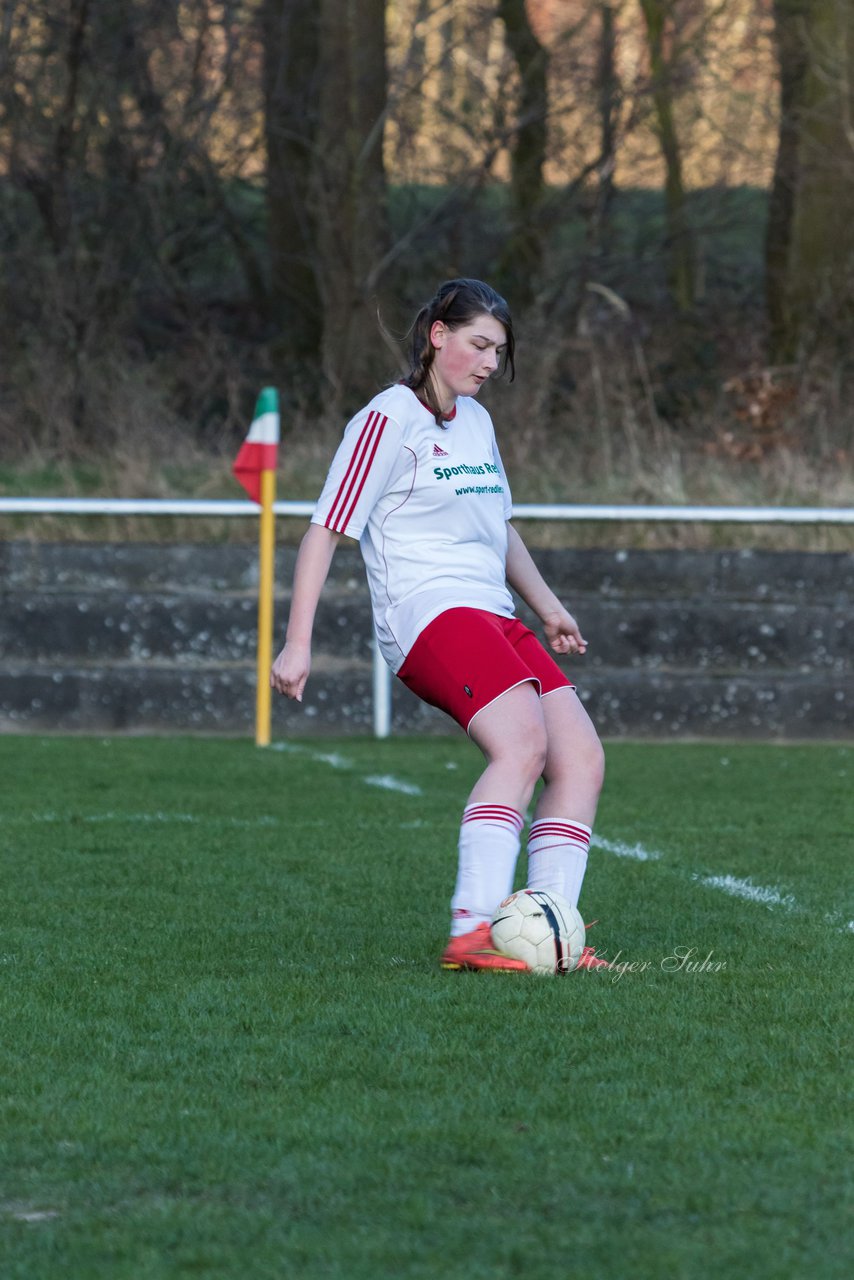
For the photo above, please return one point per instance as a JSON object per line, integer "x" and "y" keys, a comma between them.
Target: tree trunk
{"x": 291, "y": 36}
{"x": 792, "y": 58}
{"x": 522, "y": 257}
{"x": 608, "y": 96}
{"x": 681, "y": 255}
{"x": 810, "y": 233}
{"x": 350, "y": 191}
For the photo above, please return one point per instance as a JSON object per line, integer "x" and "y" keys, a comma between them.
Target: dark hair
{"x": 456, "y": 303}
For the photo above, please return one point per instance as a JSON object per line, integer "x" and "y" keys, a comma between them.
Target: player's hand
{"x": 290, "y": 671}
{"x": 563, "y": 634}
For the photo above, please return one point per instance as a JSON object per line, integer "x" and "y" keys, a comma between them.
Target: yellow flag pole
{"x": 266, "y": 560}
{"x": 255, "y": 468}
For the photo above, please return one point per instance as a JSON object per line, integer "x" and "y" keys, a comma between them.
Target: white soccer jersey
{"x": 429, "y": 506}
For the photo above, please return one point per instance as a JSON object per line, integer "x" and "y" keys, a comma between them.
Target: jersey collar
{"x": 449, "y": 417}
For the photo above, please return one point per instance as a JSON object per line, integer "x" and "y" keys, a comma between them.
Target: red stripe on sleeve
{"x": 377, "y": 437}
{"x": 333, "y": 520}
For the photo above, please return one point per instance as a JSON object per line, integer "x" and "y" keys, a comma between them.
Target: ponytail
{"x": 456, "y": 303}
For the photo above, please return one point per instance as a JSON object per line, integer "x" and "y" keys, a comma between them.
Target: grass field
{"x": 228, "y": 1050}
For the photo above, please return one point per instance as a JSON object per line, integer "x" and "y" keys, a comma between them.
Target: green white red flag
{"x": 259, "y": 451}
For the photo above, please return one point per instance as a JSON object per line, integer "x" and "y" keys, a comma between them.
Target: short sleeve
{"x": 360, "y": 472}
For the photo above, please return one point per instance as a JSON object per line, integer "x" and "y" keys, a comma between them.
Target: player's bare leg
{"x": 512, "y": 736}
{"x": 574, "y": 767}
{"x": 573, "y": 774}
{"x": 512, "y": 733}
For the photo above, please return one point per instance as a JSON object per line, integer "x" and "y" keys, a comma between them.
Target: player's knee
{"x": 588, "y": 757}
{"x": 533, "y": 752}
{"x": 523, "y": 756}
{"x": 594, "y": 763}
{"x": 580, "y": 760}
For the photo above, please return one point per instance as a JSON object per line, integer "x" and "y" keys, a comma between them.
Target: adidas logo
{"x": 439, "y": 452}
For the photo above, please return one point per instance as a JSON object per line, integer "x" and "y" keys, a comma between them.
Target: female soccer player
{"x": 418, "y": 481}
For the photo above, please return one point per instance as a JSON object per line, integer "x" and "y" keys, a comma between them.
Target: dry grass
{"x": 590, "y": 419}
{"x": 675, "y": 472}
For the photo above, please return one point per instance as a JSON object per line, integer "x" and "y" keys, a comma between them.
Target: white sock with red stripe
{"x": 490, "y": 836}
{"x": 557, "y": 856}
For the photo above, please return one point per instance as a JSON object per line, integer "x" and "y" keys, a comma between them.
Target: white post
{"x": 382, "y": 694}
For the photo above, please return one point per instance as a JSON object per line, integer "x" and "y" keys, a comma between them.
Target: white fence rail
{"x": 382, "y": 682}
{"x": 522, "y": 511}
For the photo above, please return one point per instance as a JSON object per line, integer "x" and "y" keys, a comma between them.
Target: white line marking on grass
{"x": 384, "y": 780}
{"x": 737, "y": 887}
{"x": 24, "y": 1213}
{"x": 768, "y": 896}
{"x": 332, "y": 758}
{"x": 71, "y": 816}
{"x": 167, "y": 819}
{"x": 762, "y": 895}
{"x": 158, "y": 816}
{"x": 621, "y": 850}
{"x": 389, "y": 783}
{"x": 844, "y": 926}
{"x": 765, "y": 895}
{"x": 324, "y": 757}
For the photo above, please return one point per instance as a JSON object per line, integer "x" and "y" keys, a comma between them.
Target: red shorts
{"x": 466, "y": 658}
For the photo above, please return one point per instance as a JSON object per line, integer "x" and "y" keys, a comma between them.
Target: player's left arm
{"x": 562, "y": 631}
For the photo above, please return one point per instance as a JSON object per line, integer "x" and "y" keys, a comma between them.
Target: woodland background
{"x": 199, "y": 198}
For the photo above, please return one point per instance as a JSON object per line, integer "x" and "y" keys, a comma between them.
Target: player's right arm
{"x": 291, "y": 668}
{"x": 359, "y": 473}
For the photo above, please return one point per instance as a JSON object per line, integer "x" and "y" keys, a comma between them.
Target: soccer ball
{"x": 540, "y": 928}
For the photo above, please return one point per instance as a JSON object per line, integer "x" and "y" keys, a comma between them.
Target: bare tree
{"x": 608, "y": 93}
{"x": 810, "y": 232}
{"x": 658, "y": 16}
{"x": 119, "y": 174}
{"x": 351, "y": 189}
{"x": 325, "y": 100}
{"x": 291, "y": 39}
{"x": 522, "y": 257}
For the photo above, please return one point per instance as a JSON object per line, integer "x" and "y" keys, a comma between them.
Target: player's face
{"x": 465, "y": 357}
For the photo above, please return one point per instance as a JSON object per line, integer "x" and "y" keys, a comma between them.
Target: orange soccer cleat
{"x": 590, "y": 960}
{"x": 475, "y": 950}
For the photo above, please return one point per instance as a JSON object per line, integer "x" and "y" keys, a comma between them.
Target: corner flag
{"x": 255, "y": 468}
{"x": 259, "y": 451}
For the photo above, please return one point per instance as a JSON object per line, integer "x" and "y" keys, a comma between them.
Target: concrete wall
{"x": 162, "y": 638}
